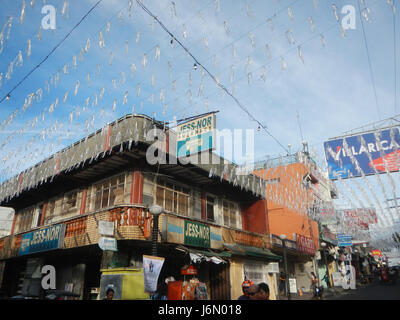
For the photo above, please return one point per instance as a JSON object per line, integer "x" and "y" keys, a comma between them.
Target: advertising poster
{"x": 378, "y": 151}
{"x": 292, "y": 285}
{"x": 151, "y": 270}
{"x": 196, "y": 136}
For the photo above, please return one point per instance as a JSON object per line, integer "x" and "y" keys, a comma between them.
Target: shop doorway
{"x": 220, "y": 281}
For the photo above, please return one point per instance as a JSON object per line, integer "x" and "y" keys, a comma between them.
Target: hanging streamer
{"x": 29, "y": 48}
{"x": 312, "y": 25}
{"x": 290, "y": 13}
{"x": 335, "y": 14}
{"x": 101, "y": 40}
{"x": 77, "y": 87}
{"x": 157, "y": 55}
{"x": 22, "y": 15}
{"x": 300, "y": 54}
{"x": 268, "y": 51}
{"x": 173, "y": 9}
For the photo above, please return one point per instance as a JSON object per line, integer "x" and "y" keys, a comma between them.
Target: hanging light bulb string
{"x": 51, "y": 52}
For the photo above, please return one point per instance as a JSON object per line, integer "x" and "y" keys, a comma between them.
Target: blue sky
{"x": 331, "y": 91}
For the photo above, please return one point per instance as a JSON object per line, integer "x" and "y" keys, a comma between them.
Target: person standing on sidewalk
{"x": 245, "y": 288}
{"x": 326, "y": 279}
{"x": 282, "y": 284}
{"x": 314, "y": 282}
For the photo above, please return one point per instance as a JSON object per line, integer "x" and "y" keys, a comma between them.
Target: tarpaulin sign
{"x": 151, "y": 270}
{"x": 364, "y": 153}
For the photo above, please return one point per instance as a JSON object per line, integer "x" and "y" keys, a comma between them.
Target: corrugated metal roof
{"x": 121, "y": 144}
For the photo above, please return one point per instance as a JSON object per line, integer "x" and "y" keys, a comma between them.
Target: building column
{"x": 83, "y": 201}
{"x": 43, "y": 216}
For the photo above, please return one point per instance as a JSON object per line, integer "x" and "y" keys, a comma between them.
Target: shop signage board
{"x": 376, "y": 253}
{"x": 277, "y": 242}
{"x": 292, "y": 285}
{"x": 106, "y": 228}
{"x": 305, "y": 244}
{"x": 273, "y": 267}
{"x": 359, "y": 218}
{"x": 196, "y": 136}
{"x": 108, "y": 243}
{"x": 380, "y": 150}
{"x": 337, "y": 279}
{"x": 196, "y": 234}
{"x": 177, "y": 230}
{"x": 344, "y": 240}
{"x": 50, "y": 238}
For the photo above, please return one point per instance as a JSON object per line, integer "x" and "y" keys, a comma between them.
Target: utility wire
{"x": 208, "y": 72}
{"x": 395, "y": 62}
{"x": 369, "y": 60}
{"x": 51, "y": 52}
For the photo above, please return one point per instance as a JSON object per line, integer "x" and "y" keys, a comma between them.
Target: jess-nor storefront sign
{"x": 50, "y": 238}
{"x": 305, "y": 244}
{"x": 192, "y": 233}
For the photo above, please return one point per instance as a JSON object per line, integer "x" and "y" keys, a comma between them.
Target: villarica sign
{"x": 197, "y": 234}
{"x": 196, "y": 136}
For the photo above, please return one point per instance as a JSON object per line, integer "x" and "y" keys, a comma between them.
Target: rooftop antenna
{"x": 298, "y": 121}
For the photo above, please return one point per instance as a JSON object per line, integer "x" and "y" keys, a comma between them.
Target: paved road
{"x": 373, "y": 291}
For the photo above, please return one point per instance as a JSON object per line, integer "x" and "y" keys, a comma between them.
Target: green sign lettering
{"x": 197, "y": 234}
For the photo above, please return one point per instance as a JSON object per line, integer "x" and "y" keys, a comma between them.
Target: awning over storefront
{"x": 242, "y": 250}
{"x": 205, "y": 255}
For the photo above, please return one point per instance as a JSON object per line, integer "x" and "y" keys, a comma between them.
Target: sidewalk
{"x": 328, "y": 293}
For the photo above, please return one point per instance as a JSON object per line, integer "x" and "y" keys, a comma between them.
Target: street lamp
{"x": 323, "y": 245}
{"x": 283, "y": 238}
{"x": 155, "y": 210}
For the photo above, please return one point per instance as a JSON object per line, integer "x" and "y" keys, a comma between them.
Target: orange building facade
{"x": 292, "y": 189}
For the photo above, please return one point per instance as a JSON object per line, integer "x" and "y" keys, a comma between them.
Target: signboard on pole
{"x": 378, "y": 151}
{"x": 151, "y": 270}
{"x": 196, "y": 136}
{"x": 106, "y": 243}
{"x": 273, "y": 267}
{"x": 344, "y": 240}
{"x": 292, "y": 285}
{"x": 337, "y": 279}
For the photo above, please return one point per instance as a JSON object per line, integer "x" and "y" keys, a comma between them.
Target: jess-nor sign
{"x": 50, "y": 238}
{"x": 188, "y": 232}
{"x": 305, "y": 244}
{"x": 196, "y": 136}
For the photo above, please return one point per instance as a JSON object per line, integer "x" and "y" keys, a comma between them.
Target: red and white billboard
{"x": 359, "y": 218}
{"x": 305, "y": 244}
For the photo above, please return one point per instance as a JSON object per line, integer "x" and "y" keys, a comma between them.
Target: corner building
{"x": 214, "y": 221}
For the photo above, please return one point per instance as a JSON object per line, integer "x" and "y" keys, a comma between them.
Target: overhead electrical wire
{"x": 369, "y": 61}
{"x": 395, "y": 62}
{"x": 51, "y": 52}
{"x": 209, "y": 73}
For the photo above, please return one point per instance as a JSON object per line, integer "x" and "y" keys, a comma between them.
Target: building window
{"x": 24, "y": 220}
{"x": 230, "y": 213}
{"x": 210, "y": 208}
{"x": 69, "y": 202}
{"x": 109, "y": 192}
{"x": 173, "y": 198}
